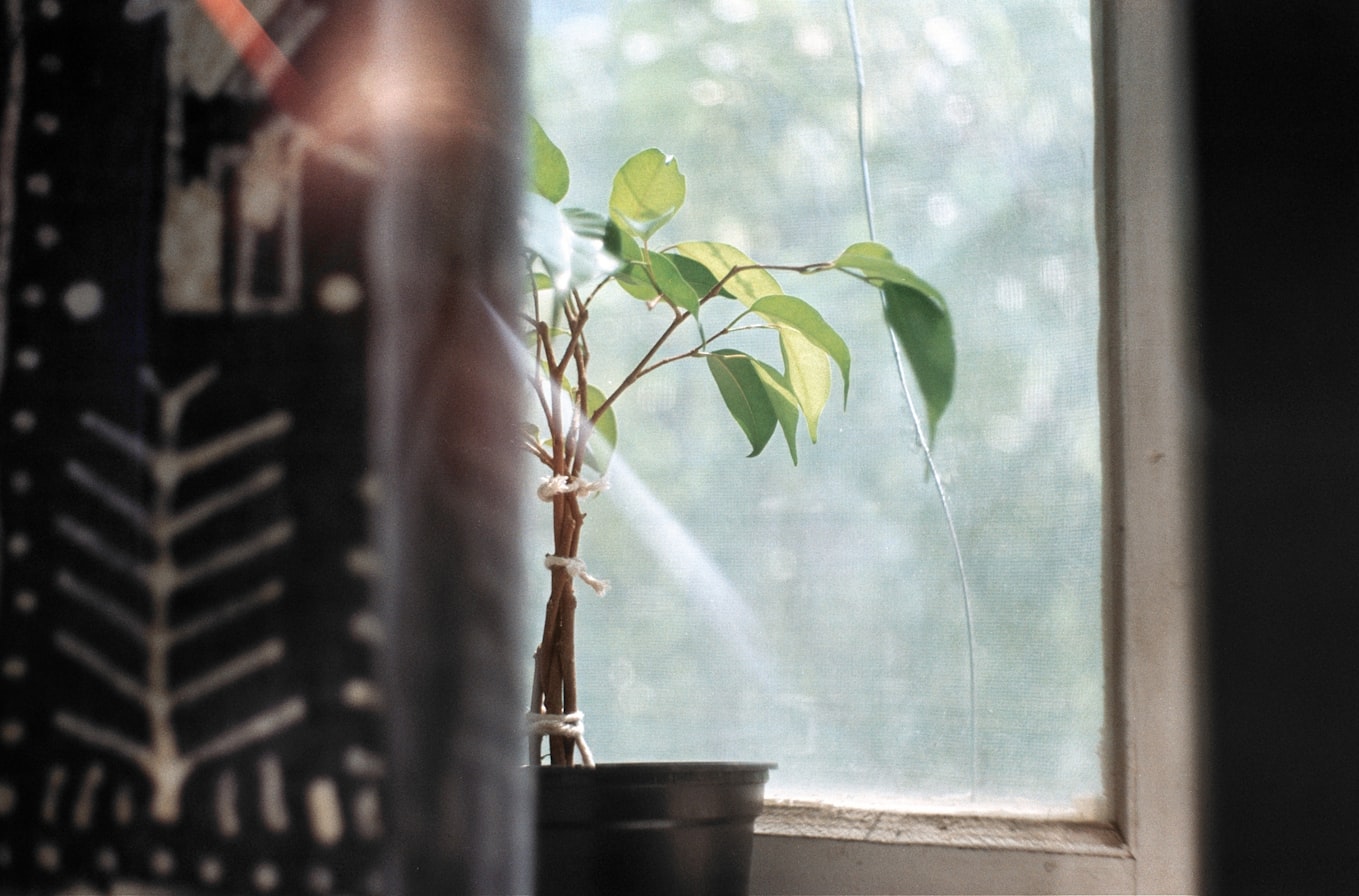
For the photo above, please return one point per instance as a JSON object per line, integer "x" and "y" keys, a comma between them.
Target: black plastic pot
{"x": 660, "y": 829}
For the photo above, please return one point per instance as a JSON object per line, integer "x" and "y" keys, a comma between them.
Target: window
{"x": 857, "y": 715}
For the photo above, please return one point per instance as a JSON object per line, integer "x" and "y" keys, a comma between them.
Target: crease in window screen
{"x": 812, "y": 615}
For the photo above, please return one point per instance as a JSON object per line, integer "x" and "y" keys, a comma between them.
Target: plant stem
{"x": 639, "y": 370}
{"x": 555, "y": 682}
{"x": 576, "y": 319}
{"x": 555, "y": 689}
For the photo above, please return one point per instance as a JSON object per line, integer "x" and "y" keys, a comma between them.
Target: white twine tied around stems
{"x": 575, "y": 566}
{"x": 571, "y": 724}
{"x": 565, "y": 485}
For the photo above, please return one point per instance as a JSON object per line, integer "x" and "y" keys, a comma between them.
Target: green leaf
{"x": 919, "y": 319}
{"x": 747, "y": 287}
{"x": 784, "y": 402}
{"x": 647, "y": 192}
{"x": 570, "y": 242}
{"x": 636, "y": 281}
{"x": 683, "y": 281}
{"x": 809, "y": 375}
{"x": 874, "y": 261}
{"x": 590, "y": 257}
{"x": 548, "y": 172}
{"x": 792, "y": 313}
{"x": 925, "y": 331}
{"x": 758, "y": 397}
{"x": 673, "y": 286}
{"x": 620, "y": 243}
{"x": 743, "y": 391}
{"x": 868, "y": 250}
{"x": 586, "y": 224}
{"x": 604, "y": 438}
{"x": 632, "y": 276}
{"x": 698, "y": 276}
{"x": 546, "y": 234}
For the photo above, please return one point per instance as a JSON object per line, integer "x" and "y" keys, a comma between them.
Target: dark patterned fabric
{"x": 186, "y": 672}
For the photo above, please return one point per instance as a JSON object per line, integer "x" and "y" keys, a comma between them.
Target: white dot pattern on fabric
{"x": 106, "y": 860}
{"x": 11, "y": 732}
{"x": 84, "y": 300}
{"x": 162, "y": 863}
{"x": 320, "y": 880}
{"x": 85, "y": 797}
{"x": 339, "y": 294}
{"x": 48, "y": 856}
{"x": 266, "y": 877}
{"x": 210, "y": 870}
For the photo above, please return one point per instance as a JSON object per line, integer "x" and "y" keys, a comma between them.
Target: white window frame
{"x": 1148, "y": 841}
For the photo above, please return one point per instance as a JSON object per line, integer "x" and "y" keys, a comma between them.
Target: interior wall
{"x": 1277, "y": 157}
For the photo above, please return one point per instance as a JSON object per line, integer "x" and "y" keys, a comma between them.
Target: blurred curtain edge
{"x": 443, "y": 253}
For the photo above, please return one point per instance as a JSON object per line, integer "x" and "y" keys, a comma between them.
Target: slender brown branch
{"x": 549, "y": 672}
{"x": 582, "y": 413}
{"x": 544, "y": 336}
{"x": 555, "y": 662}
{"x": 540, "y": 390}
{"x": 576, "y": 327}
{"x": 554, "y": 425}
{"x": 702, "y": 346}
{"x": 641, "y": 371}
{"x": 536, "y": 320}
{"x": 636, "y": 372}
{"x": 590, "y": 296}
{"x": 566, "y": 644}
{"x": 537, "y": 451}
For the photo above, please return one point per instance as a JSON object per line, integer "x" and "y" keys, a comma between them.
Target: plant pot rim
{"x": 663, "y": 771}
{"x": 664, "y": 828}
{"x": 650, "y": 793}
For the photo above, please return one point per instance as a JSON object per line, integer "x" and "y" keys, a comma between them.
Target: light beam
{"x": 261, "y": 56}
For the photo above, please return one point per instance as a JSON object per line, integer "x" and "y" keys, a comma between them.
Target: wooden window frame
{"x": 1148, "y": 839}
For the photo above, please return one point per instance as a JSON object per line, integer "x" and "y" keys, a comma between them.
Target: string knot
{"x": 553, "y": 486}
{"x": 575, "y": 566}
{"x": 570, "y": 725}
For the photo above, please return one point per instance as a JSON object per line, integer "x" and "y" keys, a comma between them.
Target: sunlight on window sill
{"x": 981, "y": 826}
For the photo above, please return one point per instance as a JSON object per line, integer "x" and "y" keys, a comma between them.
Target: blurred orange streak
{"x": 265, "y": 61}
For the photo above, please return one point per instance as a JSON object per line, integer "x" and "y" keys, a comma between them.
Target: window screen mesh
{"x": 814, "y": 615}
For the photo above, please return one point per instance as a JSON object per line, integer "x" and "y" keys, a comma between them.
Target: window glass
{"x": 814, "y": 616}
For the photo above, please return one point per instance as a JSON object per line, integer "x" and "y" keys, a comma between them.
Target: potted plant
{"x": 704, "y": 291}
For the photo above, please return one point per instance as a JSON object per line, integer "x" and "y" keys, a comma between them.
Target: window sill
{"x": 796, "y": 818}
{"x": 807, "y": 847}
